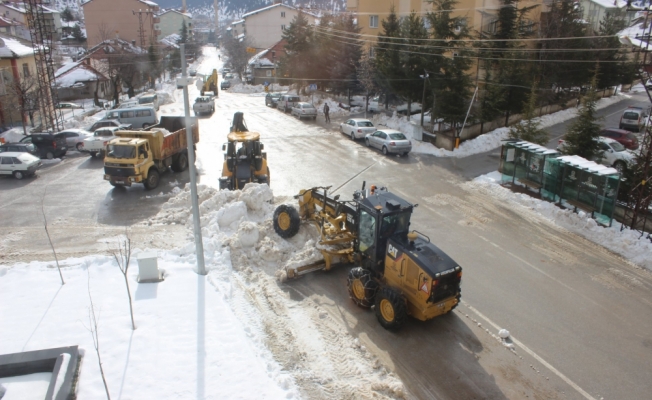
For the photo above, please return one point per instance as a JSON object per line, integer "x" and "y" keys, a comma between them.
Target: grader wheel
{"x": 362, "y": 287}
{"x": 286, "y": 221}
{"x": 390, "y": 308}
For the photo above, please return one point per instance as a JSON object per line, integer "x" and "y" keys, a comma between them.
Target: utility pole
{"x": 141, "y": 30}
{"x": 423, "y": 98}
{"x": 199, "y": 246}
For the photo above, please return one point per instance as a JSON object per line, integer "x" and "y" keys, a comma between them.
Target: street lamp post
{"x": 423, "y": 98}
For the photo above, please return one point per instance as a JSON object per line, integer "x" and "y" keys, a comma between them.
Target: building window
{"x": 282, "y": 27}
{"x": 373, "y": 21}
{"x": 25, "y": 70}
{"x": 282, "y": 14}
{"x": 268, "y": 72}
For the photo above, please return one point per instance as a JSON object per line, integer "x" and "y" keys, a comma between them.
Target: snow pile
{"x": 487, "y": 141}
{"x": 12, "y": 135}
{"x": 236, "y": 332}
{"x": 335, "y": 110}
{"x": 627, "y": 243}
{"x": 244, "y": 88}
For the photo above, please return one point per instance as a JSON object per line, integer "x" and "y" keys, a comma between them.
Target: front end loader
{"x": 397, "y": 271}
{"x": 244, "y": 158}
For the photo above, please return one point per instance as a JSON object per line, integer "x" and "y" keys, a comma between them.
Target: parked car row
{"x": 613, "y": 154}
{"x": 389, "y": 141}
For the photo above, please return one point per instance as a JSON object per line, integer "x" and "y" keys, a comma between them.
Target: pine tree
{"x": 183, "y": 32}
{"x": 529, "y": 128}
{"x": 559, "y": 66}
{"x": 298, "y": 62}
{"x": 343, "y": 57}
{"x": 66, "y": 15}
{"x": 413, "y": 59}
{"x": 78, "y": 34}
{"x": 616, "y": 69}
{"x": 452, "y": 59}
{"x": 582, "y": 136}
{"x": 388, "y": 62}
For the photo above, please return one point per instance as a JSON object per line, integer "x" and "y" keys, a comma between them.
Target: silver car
{"x": 74, "y": 137}
{"x": 304, "y": 110}
{"x": 389, "y": 141}
{"x": 357, "y": 128}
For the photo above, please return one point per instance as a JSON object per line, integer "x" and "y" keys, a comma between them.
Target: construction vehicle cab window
{"x": 397, "y": 271}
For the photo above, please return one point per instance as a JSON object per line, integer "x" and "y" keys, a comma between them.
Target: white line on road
{"x": 533, "y": 354}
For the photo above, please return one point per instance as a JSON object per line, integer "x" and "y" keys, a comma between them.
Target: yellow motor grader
{"x": 244, "y": 158}
{"x": 397, "y": 271}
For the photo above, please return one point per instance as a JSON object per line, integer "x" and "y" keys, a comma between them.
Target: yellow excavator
{"x": 244, "y": 158}
{"x": 398, "y": 271}
{"x": 210, "y": 84}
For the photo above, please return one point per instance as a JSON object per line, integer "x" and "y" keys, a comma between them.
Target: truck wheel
{"x": 49, "y": 155}
{"x": 181, "y": 163}
{"x": 390, "y": 308}
{"x": 362, "y": 287}
{"x": 152, "y": 179}
{"x": 93, "y": 154}
{"x": 286, "y": 221}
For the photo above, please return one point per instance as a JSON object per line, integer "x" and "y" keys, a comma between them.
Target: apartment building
{"x": 594, "y": 11}
{"x": 15, "y": 11}
{"x": 264, "y": 27}
{"x": 481, "y": 15}
{"x": 171, "y": 22}
{"x": 17, "y": 64}
{"x": 132, "y": 20}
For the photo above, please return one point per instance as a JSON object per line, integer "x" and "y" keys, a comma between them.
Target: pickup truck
{"x": 377, "y": 104}
{"x": 203, "y": 105}
{"x": 142, "y": 156}
{"x": 96, "y": 144}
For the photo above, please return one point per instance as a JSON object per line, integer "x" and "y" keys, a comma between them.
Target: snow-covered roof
{"x": 171, "y": 40}
{"x": 590, "y": 166}
{"x": 12, "y": 47}
{"x": 259, "y": 60}
{"x": 635, "y": 34}
{"x": 149, "y": 3}
{"x": 177, "y": 12}
{"x": 71, "y": 74}
{"x": 276, "y": 5}
{"x": 14, "y": 7}
{"x": 534, "y": 147}
{"x": 610, "y": 3}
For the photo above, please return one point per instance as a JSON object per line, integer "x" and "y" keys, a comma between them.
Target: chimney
{"x": 183, "y": 6}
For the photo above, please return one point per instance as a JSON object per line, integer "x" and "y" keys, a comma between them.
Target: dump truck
{"x": 141, "y": 156}
{"x": 398, "y": 271}
{"x": 244, "y": 158}
{"x": 210, "y": 84}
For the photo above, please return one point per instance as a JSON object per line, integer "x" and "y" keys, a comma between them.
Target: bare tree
{"x": 94, "y": 323}
{"x": 122, "y": 255}
{"x": 24, "y": 92}
{"x": 45, "y": 225}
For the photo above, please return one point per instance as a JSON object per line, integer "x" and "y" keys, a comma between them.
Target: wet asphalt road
{"x": 579, "y": 312}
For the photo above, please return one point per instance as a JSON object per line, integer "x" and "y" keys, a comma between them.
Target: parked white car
{"x": 18, "y": 164}
{"x": 357, "y": 128}
{"x": 389, "y": 141}
{"x": 614, "y": 154}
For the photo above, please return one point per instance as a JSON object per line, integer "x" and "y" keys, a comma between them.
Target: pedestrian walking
{"x": 326, "y": 110}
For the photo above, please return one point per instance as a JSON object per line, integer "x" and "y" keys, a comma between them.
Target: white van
{"x": 150, "y": 99}
{"x": 136, "y": 116}
{"x": 287, "y": 101}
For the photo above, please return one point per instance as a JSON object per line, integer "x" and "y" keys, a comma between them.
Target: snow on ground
{"x": 233, "y": 334}
{"x": 487, "y": 141}
{"x": 627, "y": 243}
